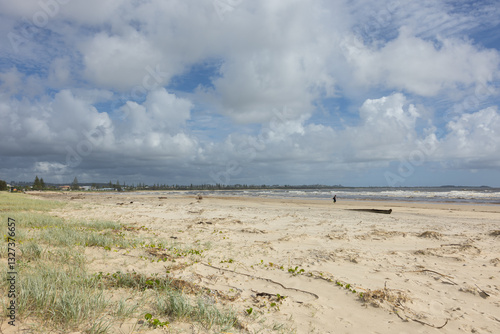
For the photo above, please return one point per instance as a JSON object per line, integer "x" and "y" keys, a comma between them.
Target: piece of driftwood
{"x": 434, "y": 272}
{"x": 387, "y": 212}
{"x": 265, "y": 294}
{"x": 261, "y": 278}
{"x": 407, "y": 318}
{"x": 430, "y": 271}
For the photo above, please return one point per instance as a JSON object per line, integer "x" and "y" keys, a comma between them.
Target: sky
{"x": 358, "y": 93}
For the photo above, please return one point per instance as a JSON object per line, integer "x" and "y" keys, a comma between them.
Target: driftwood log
{"x": 387, "y": 212}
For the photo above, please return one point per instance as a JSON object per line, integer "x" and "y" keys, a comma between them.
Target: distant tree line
{"x": 218, "y": 186}
{"x": 39, "y": 184}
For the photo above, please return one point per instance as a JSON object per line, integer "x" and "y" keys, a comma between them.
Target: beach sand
{"x": 424, "y": 268}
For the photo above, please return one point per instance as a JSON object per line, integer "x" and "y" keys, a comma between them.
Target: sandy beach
{"x": 424, "y": 268}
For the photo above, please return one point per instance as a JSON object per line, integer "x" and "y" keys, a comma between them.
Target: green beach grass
{"x": 56, "y": 291}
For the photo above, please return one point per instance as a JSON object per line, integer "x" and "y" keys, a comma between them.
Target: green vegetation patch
{"x": 13, "y": 202}
{"x": 64, "y": 297}
{"x": 172, "y": 300}
{"x": 55, "y": 291}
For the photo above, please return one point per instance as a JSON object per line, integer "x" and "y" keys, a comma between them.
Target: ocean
{"x": 472, "y": 195}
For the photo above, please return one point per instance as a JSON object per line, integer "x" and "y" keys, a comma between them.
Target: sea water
{"x": 473, "y": 195}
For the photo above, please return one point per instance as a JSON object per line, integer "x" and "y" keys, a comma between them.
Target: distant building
{"x": 86, "y": 188}
{"x": 66, "y": 188}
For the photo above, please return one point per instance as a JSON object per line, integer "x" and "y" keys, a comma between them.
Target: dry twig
{"x": 261, "y": 278}
{"x": 407, "y": 318}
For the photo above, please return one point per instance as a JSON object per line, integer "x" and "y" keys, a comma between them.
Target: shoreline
{"x": 189, "y": 193}
{"x": 350, "y": 202}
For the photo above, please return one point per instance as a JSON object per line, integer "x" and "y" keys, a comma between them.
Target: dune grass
{"x": 15, "y": 202}
{"x": 56, "y": 291}
{"x": 56, "y": 231}
{"x": 169, "y": 302}
{"x": 65, "y": 297}
{"x": 52, "y": 284}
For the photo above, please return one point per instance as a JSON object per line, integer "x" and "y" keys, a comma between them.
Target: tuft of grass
{"x": 133, "y": 281}
{"x": 209, "y": 315}
{"x": 63, "y": 297}
{"x": 67, "y": 257}
{"x": 30, "y": 251}
{"x": 124, "y": 310}
{"x": 177, "y": 306}
{"x": 100, "y": 326}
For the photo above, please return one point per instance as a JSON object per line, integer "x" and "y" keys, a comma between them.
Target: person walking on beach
{"x": 334, "y": 198}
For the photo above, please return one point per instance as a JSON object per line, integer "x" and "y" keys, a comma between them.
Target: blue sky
{"x": 358, "y": 93}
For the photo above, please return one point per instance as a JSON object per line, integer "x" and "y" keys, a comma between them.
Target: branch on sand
{"x": 261, "y": 278}
{"x": 387, "y": 212}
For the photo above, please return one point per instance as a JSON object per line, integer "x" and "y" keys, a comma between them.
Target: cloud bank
{"x": 251, "y": 92}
